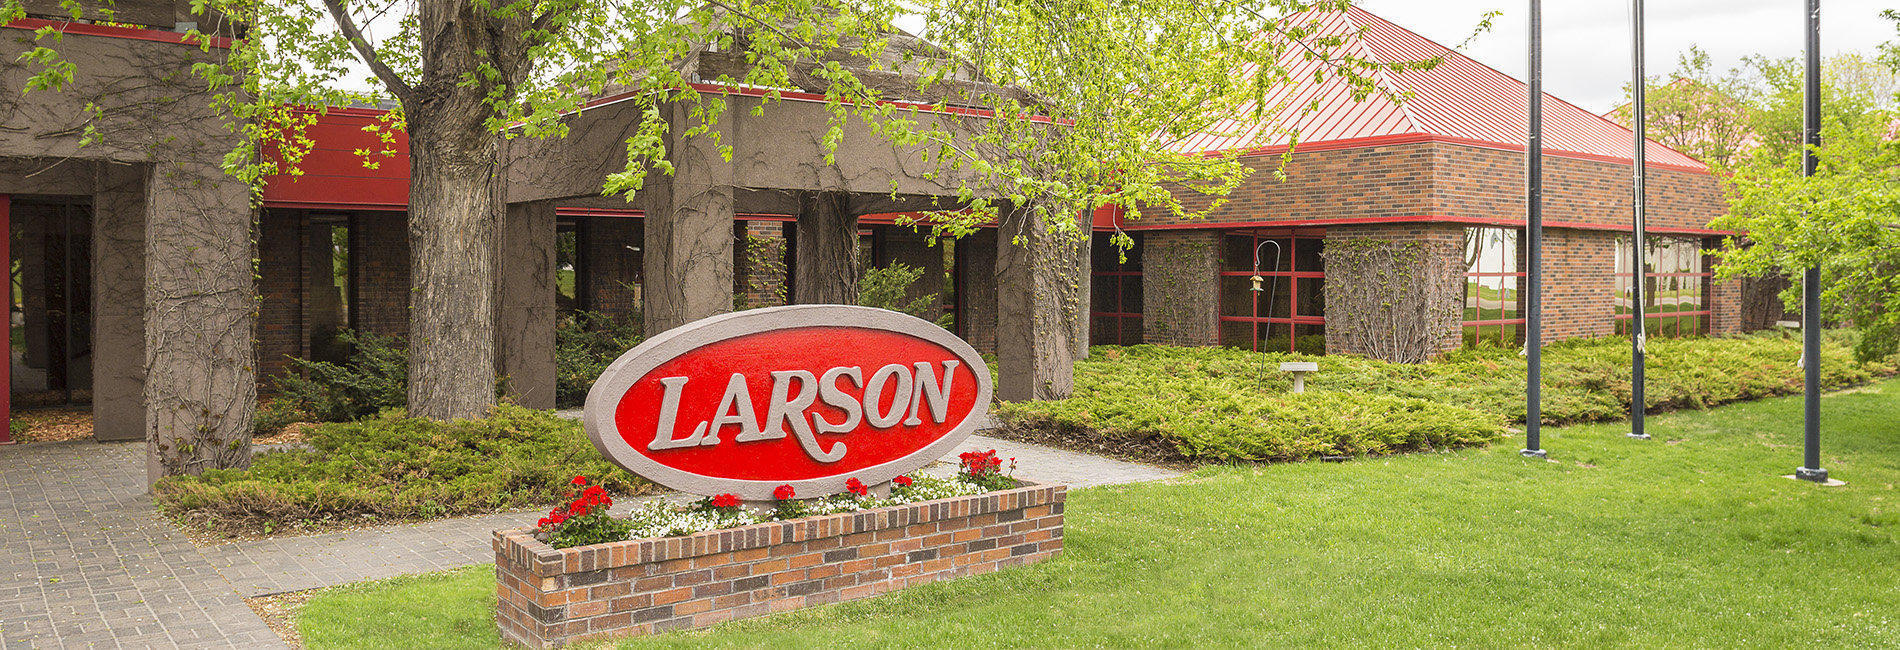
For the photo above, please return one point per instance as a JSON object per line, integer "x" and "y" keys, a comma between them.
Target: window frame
{"x": 1472, "y": 332}
{"x": 1658, "y": 324}
{"x": 1294, "y": 319}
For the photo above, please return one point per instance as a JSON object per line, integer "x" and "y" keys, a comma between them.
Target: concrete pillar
{"x": 1180, "y": 287}
{"x": 524, "y": 326}
{"x": 689, "y": 236}
{"x": 827, "y": 251}
{"x": 1038, "y": 296}
{"x": 976, "y": 297}
{"x": 118, "y": 301}
{"x": 201, "y": 387}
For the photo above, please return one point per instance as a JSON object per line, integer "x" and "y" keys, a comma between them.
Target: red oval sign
{"x": 804, "y": 395}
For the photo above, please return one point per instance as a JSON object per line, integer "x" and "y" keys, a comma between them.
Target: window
{"x": 1494, "y": 277}
{"x": 1115, "y": 293}
{"x": 1288, "y": 311}
{"x": 1676, "y": 294}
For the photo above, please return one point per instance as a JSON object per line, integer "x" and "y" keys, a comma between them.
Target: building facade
{"x": 1440, "y": 175}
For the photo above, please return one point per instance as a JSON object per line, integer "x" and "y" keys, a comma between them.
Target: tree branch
{"x": 348, "y": 26}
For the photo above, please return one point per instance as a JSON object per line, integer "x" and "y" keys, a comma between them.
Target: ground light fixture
{"x": 1534, "y": 223}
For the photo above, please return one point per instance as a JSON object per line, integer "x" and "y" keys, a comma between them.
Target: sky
{"x": 1587, "y": 42}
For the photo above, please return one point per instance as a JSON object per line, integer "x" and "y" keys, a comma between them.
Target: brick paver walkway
{"x": 85, "y": 559}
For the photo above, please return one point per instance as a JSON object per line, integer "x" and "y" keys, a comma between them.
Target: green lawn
{"x": 1691, "y": 539}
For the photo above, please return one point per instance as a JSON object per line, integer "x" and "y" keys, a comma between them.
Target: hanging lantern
{"x": 1256, "y": 284}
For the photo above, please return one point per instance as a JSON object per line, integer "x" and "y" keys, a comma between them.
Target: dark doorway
{"x": 50, "y": 300}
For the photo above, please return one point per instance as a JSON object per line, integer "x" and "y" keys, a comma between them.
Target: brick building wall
{"x": 976, "y": 290}
{"x": 280, "y": 280}
{"x": 379, "y": 274}
{"x": 1387, "y": 181}
{"x": 610, "y": 264}
{"x": 1180, "y": 286}
{"x": 1480, "y": 182}
{"x": 902, "y": 245}
{"x": 761, "y": 275}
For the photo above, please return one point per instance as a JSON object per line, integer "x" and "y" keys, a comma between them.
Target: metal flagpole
{"x": 1639, "y": 254}
{"x": 1534, "y": 224}
{"x": 1811, "y": 469}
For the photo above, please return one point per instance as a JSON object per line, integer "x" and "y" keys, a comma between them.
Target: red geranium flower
{"x": 784, "y": 492}
{"x": 901, "y": 480}
{"x": 725, "y": 500}
{"x": 856, "y": 487}
{"x": 579, "y": 480}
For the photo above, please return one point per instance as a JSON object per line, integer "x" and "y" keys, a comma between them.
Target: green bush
{"x": 373, "y": 378}
{"x": 394, "y": 468}
{"x": 889, "y": 288}
{"x": 1186, "y": 419}
{"x": 584, "y": 344}
{"x": 1229, "y": 404}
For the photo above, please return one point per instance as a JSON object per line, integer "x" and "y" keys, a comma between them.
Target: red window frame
{"x": 1293, "y": 273}
{"x": 1126, "y": 318}
{"x": 1473, "y": 330}
{"x": 1661, "y": 324}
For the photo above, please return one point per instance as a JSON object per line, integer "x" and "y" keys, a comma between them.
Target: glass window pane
{"x": 1307, "y": 254}
{"x": 1510, "y": 301}
{"x": 1236, "y": 295}
{"x": 1312, "y": 297}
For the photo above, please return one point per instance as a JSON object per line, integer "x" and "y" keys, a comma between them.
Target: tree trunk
{"x": 827, "y": 255}
{"x": 454, "y": 212}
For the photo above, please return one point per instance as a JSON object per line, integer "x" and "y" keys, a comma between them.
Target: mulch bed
{"x": 52, "y": 425}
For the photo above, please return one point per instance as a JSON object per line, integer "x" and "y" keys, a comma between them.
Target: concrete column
{"x": 1180, "y": 287}
{"x": 689, "y": 250}
{"x": 118, "y": 301}
{"x": 201, "y": 387}
{"x": 524, "y": 336}
{"x": 976, "y": 272}
{"x": 827, "y": 251}
{"x": 1038, "y": 295}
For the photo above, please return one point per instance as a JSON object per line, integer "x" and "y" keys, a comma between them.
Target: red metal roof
{"x": 1458, "y": 100}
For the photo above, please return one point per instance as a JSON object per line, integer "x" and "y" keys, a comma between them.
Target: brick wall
{"x": 760, "y": 273}
{"x": 976, "y": 297}
{"x": 1479, "y": 182}
{"x": 379, "y": 274}
{"x": 280, "y": 271}
{"x": 1180, "y": 287}
{"x": 610, "y": 264}
{"x": 1579, "y": 283}
{"x": 901, "y": 245}
{"x": 548, "y": 597}
{"x": 1391, "y": 181}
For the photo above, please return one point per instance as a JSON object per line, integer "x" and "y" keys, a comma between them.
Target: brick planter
{"x": 548, "y": 597}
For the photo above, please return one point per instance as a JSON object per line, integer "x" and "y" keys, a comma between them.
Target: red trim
{"x": 1274, "y": 274}
{"x": 1418, "y": 137}
{"x": 1114, "y": 314}
{"x": 1666, "y": 314}
{"x": 1293, "y": 320}
{"x": 322, "y": 205}
{"x": 114, "y": 31}
{"x": 1423, "y": 218}
{"x": 6, "y": 342}
{"x": 1504, "y": 321}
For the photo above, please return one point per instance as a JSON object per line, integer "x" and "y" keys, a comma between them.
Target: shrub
{"x": 394, "y": 468}
{"x": 1196, "y": 420}
{"x": 374, "y": 377}
{"x": 584, "y": 344}
{"x": 889, "y": 288}
{"x": 1229, "y": 404}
